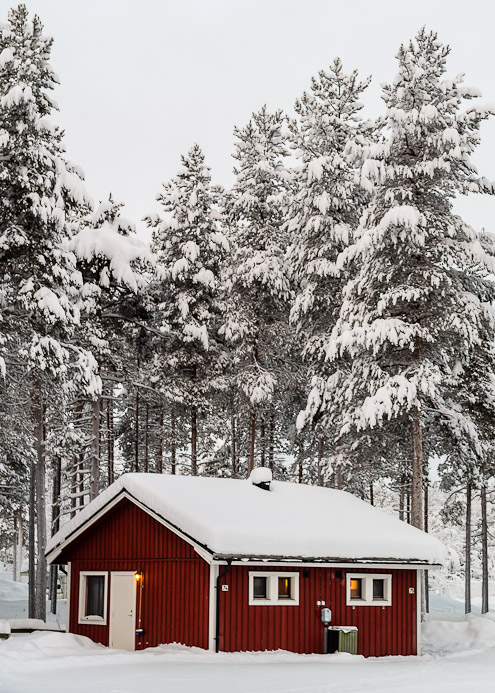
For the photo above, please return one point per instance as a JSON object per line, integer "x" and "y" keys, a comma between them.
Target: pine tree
{"x": 411, "y": 317}
{"x": 325, "y": 212}
{"x": 258, "y": 285}
{"x": 190, "y": 247}
{"x": 40, "y": 195}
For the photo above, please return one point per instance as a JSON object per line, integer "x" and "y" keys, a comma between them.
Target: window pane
{"x": 284, "y": 585}
{"x": 378, "y": 589}
{"x": 259, "y": 588}
{"x": 356, "y": 588}
{"x": 95, "y": 593}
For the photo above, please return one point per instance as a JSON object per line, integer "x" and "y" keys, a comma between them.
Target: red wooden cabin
{"x": 225, "y": 565}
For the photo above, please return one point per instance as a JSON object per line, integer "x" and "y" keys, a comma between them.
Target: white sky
{"x": 141, "y": 81}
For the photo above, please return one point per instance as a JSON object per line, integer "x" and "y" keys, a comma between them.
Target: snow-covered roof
{"x": 232, "y": 518}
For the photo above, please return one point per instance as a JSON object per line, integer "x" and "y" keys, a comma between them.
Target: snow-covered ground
{"x": 459, "y": 654}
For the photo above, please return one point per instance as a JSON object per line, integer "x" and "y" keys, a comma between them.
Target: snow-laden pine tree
{"x": 325, "y": 211}
{"x": 190, "y": 247}
{"x": 411, "y": 316}
{"x": 41, "y": 193}
{"x": 259, "y": 291}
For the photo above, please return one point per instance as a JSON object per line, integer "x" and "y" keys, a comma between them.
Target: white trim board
{"x": 212, "y": 608}
{"x": 362, "y": 564}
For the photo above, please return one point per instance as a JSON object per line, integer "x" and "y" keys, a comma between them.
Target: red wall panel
{"x": 389, "y": 630}
{"x": 176, "y": 579}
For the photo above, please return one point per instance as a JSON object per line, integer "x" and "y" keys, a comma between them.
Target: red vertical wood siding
{"x": 389, "y": 630}
{"x": 176, "y": 580}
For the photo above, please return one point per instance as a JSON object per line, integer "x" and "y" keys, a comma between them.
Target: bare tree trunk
{"x": 32, "y": 541}
{"x": 408, "y": 508}
{"x": 173, "y": 443}
{"x": 426, "y": 590}
{"x": 263, "y": 442}
{"x": 252, "y": 437}
{"x": 95, "y": 449}
{"x": 146, "y": 438}
{"x": 417, "y": 472}
{"x": 194, "y": 441}
{"x": 110, "y": 438}
{"x": 401, "y": 501}
{"x": 319, "y": 479}
{"x": 484, "y": 552}
{"x": 271, "y": 444}
{"x": 14, "y": 551}
{"x": 300, "y": 455}
{"x": 18, "y": 548}
{"x": 39, "y": 416}
{"x": 159, "y": 453}
{"x": 372, "y": 493}
{"x": 136, "y": 432}
{"x": 233, "y": 451}
{"x": 57, "y": 474}
{"x": 467, "y": 549}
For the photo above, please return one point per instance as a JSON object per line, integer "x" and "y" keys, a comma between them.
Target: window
{"x": 368, "y": 590}
{"x": 93, "y": 586}
{"x": 260, "y": 590}
{"x": 271, "y": 589}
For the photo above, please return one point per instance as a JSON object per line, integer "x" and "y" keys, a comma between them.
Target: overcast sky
{"x": 141, "y": 81}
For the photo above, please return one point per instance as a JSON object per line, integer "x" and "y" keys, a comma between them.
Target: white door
{"x": 122, "y": 610}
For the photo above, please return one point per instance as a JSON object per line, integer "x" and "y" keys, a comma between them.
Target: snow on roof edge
{"x": 172, "y": 499}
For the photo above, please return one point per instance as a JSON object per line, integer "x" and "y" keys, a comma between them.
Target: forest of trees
{"x": 329, "y": 316}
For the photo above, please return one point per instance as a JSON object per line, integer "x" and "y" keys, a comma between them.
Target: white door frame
{"x": 128, "y": 573}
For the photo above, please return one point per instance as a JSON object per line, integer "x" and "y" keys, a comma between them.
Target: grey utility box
{"x": 342, "y": 639}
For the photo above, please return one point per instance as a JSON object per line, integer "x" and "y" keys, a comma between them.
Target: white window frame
{"x": 367, "y": 591}
{"x": 272, "y": 588}
{"x": 96, "y": 620}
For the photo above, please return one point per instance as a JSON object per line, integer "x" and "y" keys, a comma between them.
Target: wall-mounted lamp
{"x": 138, "y": 577}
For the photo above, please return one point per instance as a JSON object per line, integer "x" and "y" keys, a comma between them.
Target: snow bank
{"x": 5, "y": 627}
{"x": 40, "y": 644}
{"x": 458, "y": 633}
{"x": 12, "y": 591}
{"x": 231, "y": 517}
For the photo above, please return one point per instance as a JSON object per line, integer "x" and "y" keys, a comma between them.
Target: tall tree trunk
{"x": 173, "y": 442}
{"x": 233, "y": 451}
{"x": 417, "y": 517}
{"x": 94, "y": 477}
{"x": 319, "y": 476}
{"x": 57, "y": 474}
{"x": 263, "y": 442}
{"x": 146, "y": 437}
{"x": 14, "y": 551}
{"x": 484, "y": 552}
{"x": 110, "y": 438}
{"x": 372, "y": 493}
{"x": 194, "y": 441}
{"x": 32, "y": 541}
{"x": 271, "y": 444}
{"x": 136, "y": 432}
{"x": 467, "y": 550}
{"x": 426, "y": 590}
{"x": 300, "y": 457}
{"x": 194, "y": 428}
{"x": 159, "y": 450}
{"x": 39, "y": 417}
{"x": 18, "y": 548}
{"x": 252, "y": 437}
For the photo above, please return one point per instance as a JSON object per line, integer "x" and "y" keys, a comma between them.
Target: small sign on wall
{"x": 225, "y": 588}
